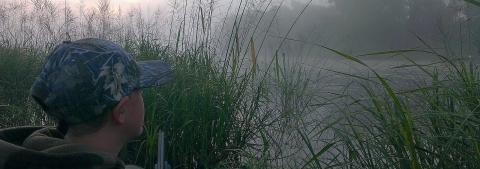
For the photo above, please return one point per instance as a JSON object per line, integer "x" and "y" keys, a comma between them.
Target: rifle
{"x": 161, "y": 163}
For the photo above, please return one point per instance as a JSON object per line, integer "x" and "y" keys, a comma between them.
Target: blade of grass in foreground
{"x": 403, "y": 120}
{"x": 326, "y": 148}
{"x": 254, "y": 59}
{"x": 474, "y": 2}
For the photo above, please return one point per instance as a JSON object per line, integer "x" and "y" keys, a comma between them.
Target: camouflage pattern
{"x": 85, "y": 78}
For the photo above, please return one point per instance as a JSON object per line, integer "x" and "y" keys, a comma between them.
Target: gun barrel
{"x": 161, "y": 150}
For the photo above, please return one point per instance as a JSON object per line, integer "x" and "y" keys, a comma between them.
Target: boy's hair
{"x": 89, "y": 126}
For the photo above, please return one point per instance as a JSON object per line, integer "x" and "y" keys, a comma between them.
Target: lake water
{"x": 305, "y": 113}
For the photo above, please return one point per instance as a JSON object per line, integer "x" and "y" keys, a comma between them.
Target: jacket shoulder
{"x": 16, "y": 135}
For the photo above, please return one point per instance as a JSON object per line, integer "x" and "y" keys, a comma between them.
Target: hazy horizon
{"x": 354, "y": 27}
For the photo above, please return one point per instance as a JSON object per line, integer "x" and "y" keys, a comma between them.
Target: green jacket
{"x": 44, "y": 147}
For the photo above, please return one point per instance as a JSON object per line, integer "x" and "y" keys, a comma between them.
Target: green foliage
{"x": 474, "y": 2}
{"x": 218, "y": 112}
{"x": 18, "y": 70}
{"x": 203, "y": 112}
{"x": 429, "y": 126}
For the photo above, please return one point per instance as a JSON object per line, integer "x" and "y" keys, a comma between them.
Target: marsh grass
{"x": 226, "y": 108}
{"x": 203, "y": 103}
{"x": 18, "y": 68}
{"x": 429, "y": 126}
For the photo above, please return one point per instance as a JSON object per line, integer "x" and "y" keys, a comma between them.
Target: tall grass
{"x": 432, "y": 125}
{"x": 18, "y": 68}
{"x": 210, "y": 110}
{"x": 205, "y": 112}
{"x": 227, "y": 107}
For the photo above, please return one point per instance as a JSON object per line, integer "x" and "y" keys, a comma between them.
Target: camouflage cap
{"x": 85, "y": 78}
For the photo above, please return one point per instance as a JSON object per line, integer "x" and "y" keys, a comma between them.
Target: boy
{"x": 92, "y": 88}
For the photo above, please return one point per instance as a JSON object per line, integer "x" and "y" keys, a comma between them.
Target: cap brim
{"x": 154, "y": 73}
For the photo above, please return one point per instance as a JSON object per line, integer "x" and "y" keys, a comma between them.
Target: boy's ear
{"x": 118, "y": 110}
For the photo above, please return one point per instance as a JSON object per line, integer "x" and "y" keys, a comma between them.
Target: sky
{"x": 167, "y": 3}
{"x": 122, "y": 2}
{"x": 125, "y": 4}
{"x": 147, "y": 6}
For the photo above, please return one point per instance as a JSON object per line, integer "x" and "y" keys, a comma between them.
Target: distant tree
{"x": 104, "y": 9}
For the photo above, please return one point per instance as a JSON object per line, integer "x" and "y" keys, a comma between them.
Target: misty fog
{"x": 291, "y": 28}
{"x": 360, "y": 26}
{"x": 293, "y": 65}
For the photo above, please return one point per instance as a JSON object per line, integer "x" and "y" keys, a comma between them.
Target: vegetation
{"x": 226, "y": 107}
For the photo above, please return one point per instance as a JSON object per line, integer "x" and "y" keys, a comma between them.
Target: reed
{"x": 229, "y": 106}
{"x": 427, "y": 126}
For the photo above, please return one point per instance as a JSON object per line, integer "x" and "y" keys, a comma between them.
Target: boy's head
{"x": 85, "y": 79}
